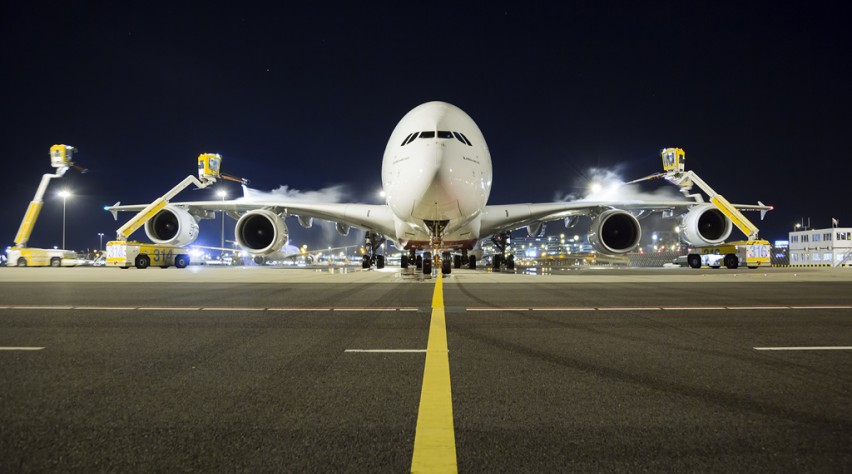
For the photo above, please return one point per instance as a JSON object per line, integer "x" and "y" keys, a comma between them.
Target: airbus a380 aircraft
{"x": 436, "y": 175}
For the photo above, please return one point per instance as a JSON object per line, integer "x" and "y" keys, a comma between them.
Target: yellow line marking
{"x": 435, "y": 440}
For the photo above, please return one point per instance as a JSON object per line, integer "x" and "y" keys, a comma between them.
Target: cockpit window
{"x": 459, "y": 138}
{"x": 410, "y": 138}
{"x": 443, "y": 134}
{"x": 406, "y": 139}
{"x": 465, "y": 139}
{"x": 429, "y": 134}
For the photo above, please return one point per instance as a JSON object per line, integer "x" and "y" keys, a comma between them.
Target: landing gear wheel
{"x": 22, "y": 262}
{"x": 427, "y": 263}
{"x": 380, "y": 261}
{"x": 55, "y": 262}
{"x": 510, "y": 262}
{"x": 142, "y": 261}
{"x": 457, "y": 261}
{"x": 446, "y": 263}
{"x": 731, "y": 261}
{"x": 365, "y": 262}
{"x": 403, "y": 261}
{"x": 694, "y": 260}
{"x": 471, "y": 262}
{"x": 182, "y": 261}
{"x": 419, "y": 262}
{"x": 496, "y": 262}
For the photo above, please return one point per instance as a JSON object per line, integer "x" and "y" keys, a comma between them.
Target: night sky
{"x": 306, "y": 97}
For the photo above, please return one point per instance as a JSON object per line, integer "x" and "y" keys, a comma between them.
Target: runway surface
{"x": 265, "y": 369}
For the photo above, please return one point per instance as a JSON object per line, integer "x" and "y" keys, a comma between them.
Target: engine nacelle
{"x": 615, "y": 232}
{"x": 705, "y": 225}
{"x": 261, "y": 232}
{"x": 172, "y": 226}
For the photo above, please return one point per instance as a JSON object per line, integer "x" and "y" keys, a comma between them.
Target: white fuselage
{"x": 438, "y": 179}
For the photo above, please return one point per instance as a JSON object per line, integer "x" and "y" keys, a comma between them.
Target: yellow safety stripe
{"x": 434, "y": 440}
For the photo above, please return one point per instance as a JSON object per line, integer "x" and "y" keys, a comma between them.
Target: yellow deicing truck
{"x": 22, "y": 256}
{"x": 123, "y": 253}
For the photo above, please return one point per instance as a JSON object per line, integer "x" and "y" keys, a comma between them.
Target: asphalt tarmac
{"x": 304, "y": 370}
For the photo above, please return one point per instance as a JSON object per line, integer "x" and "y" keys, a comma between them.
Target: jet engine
{"x": 614, "y": 232}
{"x": 261, "y": 232}
{"x": 172, "y": 226}
{"x": 705, "y": 225}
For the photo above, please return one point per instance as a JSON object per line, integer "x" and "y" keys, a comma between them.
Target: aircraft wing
{"x": 508, "y": 217}
{"x": 374, "y": 217}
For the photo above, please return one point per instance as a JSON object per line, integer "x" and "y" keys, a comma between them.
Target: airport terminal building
{"x": 821, "y": 247}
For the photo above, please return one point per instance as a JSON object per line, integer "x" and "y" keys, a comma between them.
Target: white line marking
{"x": 111, "y": 308}
{"x": 21, "y": 348}
{"x": 565, "y": 309}
{"x": 299, "y": 309}
{"x": 736, "y": 308}
{"x": 387, "y": 350}
{"x": 167, "y": 308}
{"x": 219, "y": 308}
{"x": 363, "y": 309}
{"x": 42, "y": 307}
{"x": 498, "y": 309}
{"x": 805, "y": 348}
{"x": 820, "y": 307}
{"x": 641, "y": 308}
{"x": 696, "y": 308}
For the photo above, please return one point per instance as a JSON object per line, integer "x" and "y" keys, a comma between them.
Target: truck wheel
{"x": 22, "y": 262}
{"x": 181, "y": 261}
{"x": 55, "y": 262}
{"x": 142, "y": 261}
{"x": 731, "y": 261}
{"x": 694, "y": 260}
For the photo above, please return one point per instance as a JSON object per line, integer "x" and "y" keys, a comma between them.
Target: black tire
{"x": 446, "y": 266}
{"x": 471, "y": 262}
{"x": 55, "y": 262}
{"x": 731, "y": 261}
{"x": 258, "y": 260}
{"x": 419, "y": 262}
{"x": 693, "y": 260}
{"x": 457, "y": 261}
{"x": 510, "y": 262}
{"x": 365, "y": 262}
{"x": 22, "y": 262}
{"x": 403, "y": 261}
{"x": 182, "y": 261}
{"x": 427, "y": 263}
{"x": 380, "y": 261}
{"x": 496, "y": 262}
{"x": 142, "y": 261}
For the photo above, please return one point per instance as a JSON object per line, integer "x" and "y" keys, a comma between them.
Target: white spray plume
{"x": 334, "y": 193}
{"x": 604, "y": 185}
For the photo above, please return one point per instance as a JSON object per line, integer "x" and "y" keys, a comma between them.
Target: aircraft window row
{"x": 441, "y": 134}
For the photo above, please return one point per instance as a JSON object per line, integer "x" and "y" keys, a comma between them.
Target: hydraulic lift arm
{"x": 60, "y": 158}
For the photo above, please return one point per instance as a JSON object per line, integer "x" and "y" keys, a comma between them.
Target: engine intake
{"x": 261, "y": 232}
{"x": 615, "y": 232}
{"x": 705, "y": 225}
{"x": 172, "y": 226}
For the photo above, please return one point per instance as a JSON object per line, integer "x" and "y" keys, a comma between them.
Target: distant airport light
{"x": 595, "y": 188}
{"x": 222, "y": 194}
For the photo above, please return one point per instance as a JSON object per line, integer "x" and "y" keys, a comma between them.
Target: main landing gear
{"x": 372, "y": 242}
{"x": 501, "y": 241}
